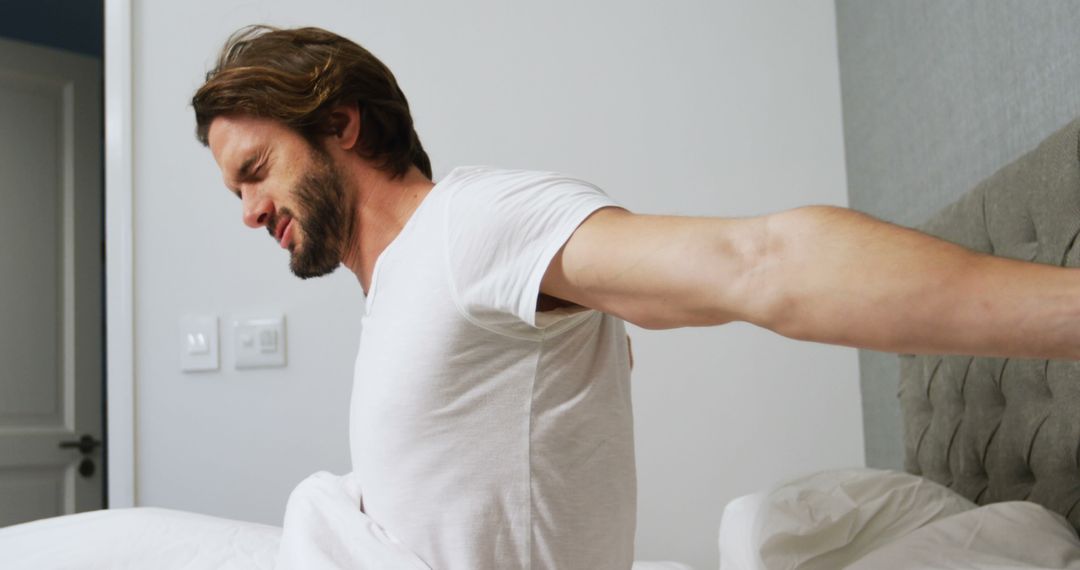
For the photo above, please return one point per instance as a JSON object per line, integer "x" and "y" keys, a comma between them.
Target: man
{"x": 491, "y": 422}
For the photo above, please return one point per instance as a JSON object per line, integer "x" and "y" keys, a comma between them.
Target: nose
{"x": 258, "y": 208}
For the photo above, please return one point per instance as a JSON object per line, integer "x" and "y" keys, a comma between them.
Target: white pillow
{"x": 829, "y": 519}
{"x": 737, "y": 548}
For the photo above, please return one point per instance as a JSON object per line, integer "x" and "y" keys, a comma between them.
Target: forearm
{"x": 836, "y": 276}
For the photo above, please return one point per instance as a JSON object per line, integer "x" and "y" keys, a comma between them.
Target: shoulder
{"x": 509, "y": 195}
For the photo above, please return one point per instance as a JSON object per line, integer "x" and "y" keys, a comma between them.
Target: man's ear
{"x": 345, "y": 126}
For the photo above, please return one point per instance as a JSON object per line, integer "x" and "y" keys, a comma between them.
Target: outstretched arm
{"x": 822, "y": 274}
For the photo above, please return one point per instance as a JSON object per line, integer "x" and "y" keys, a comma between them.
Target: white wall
{"x": 723, "y": 109}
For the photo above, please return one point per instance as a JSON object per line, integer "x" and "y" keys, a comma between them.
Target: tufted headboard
{"x": 998, "y": 429}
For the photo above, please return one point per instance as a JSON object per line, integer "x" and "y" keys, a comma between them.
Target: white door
{"x": 50, "y": 283}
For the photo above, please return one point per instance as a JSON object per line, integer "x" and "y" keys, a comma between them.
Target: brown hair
{"x": 298, "y": 76}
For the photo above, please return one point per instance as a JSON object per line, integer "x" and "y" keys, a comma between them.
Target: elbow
{"x": 759, "y": 294}
{"x": 775, "y": 298}
{"x": 806, "y": 264}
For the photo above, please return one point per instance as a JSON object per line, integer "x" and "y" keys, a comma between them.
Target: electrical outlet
{"x": 259, "y": 343}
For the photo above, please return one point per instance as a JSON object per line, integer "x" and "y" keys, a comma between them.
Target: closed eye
{"x": 248, "y": 172}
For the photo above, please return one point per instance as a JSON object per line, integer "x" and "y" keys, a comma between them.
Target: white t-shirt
{"x": 486, "y": 436}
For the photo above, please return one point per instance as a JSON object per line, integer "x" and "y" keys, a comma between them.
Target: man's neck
{"x": 383, "y": 206}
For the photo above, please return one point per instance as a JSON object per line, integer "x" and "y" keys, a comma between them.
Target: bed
{"x": 992, "y": 445}
{"x": 324, "y": 529}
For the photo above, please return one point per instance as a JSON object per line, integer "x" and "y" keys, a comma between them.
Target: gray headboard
{"x": 937, "y": 96}
{"x": 1005, "y": 429}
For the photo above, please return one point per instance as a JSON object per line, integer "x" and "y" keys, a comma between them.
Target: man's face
{"x": 287, "y": 186}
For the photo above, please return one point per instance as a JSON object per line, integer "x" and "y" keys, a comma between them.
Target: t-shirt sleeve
{"x": 503, "y": 230}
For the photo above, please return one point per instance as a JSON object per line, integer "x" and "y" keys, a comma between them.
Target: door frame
{"x": 119, "y": 276}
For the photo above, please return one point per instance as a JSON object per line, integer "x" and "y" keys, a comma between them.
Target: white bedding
{"x": 133, "y": 539}
{"x": 864, "y": 519}
{"x": 324, "y": 529}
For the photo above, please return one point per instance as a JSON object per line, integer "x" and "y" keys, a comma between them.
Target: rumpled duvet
{"x": 1000, "y": 536}
{"x": 866, "y": 519}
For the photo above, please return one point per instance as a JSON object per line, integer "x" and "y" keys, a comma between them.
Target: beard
{"x": 323, "y": 218}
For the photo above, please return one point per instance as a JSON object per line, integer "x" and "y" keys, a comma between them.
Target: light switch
{"x": 198, "y": 343}
{"x": 259, "y": 343}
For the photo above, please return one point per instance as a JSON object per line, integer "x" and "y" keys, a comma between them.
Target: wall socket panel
{"x": 259, "y": 343}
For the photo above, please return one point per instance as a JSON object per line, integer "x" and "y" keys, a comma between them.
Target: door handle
{"x": 85, "y": 444}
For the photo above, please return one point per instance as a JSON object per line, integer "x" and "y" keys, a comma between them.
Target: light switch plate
{"x": 198, "y": 343}
{"x": 259, "y": 343}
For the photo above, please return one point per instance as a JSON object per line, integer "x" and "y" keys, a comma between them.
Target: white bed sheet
{"x": 324, "y": 529}
{"x": 136, "y": 539}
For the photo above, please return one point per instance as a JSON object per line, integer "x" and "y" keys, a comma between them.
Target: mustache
{"x": 272, "y": 223}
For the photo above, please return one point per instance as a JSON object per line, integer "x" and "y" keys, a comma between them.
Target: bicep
{"x": 661, "y": 271}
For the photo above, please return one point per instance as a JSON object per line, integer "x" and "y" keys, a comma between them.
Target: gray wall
{"x": 937, "y": 95}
